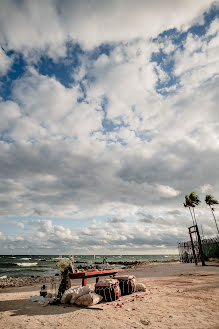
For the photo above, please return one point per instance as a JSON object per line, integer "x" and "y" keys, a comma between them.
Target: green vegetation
{"x": 210, "y": 201}
{"x": 191, "y": 201}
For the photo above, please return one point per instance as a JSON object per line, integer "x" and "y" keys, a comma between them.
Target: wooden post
{"x": 84, "y": 282}
{"x": 193, "y": 249}
{"x": 200, "y": 247}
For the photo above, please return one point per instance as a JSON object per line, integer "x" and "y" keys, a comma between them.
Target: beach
{"x": 177, "y": 296}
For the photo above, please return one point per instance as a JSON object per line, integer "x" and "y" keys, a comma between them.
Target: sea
{"x": 37, "y": 265}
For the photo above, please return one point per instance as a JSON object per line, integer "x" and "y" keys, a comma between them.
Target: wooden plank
{"x": 81, "y": 275}
{"x": 84, "y": 282}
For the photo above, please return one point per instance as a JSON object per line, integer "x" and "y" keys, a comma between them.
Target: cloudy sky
{"x": 108, "y": 117}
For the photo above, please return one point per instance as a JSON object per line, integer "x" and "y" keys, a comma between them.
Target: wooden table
{"x": 93, "y": 274}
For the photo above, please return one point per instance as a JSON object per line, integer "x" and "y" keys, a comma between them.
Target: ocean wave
{"x": 2, "y": 265}
{"x": 27, "y": 264}
{"x": 26, "y": 258}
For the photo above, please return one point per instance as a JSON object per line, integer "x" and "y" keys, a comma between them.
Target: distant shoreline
{"x": 31, "y": 280}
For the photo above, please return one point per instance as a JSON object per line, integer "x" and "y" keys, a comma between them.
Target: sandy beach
{"x": 178, "y": 296}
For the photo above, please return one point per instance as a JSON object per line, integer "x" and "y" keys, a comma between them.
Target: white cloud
{"x": 206, "y": 188}
{"x": 5, "y": 62}
{"x": 167, "y": 191}
{"x": 150, "y": 232}
{"x": 25, "y": 27}
{"x": 65, "y": 158}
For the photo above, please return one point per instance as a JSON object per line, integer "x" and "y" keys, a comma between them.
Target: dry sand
{"x": 178, "y": 296}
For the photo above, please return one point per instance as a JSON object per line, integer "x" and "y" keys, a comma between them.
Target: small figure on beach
{"x": 104, "y": 260}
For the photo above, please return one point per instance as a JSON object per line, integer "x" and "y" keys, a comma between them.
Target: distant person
{"x": 104, "y": 260}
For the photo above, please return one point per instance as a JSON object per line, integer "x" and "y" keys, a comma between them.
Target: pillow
{"x": 106, "y": 283}
{"x": 66, "y": 297}
{"x": 78, "y": 292}
{"x": 125, "y": 277}
{"x": 140, "y": 287}
{"x": 89, "y": 299}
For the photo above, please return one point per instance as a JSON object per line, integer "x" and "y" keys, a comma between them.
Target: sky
{"x": 108, "y": 117}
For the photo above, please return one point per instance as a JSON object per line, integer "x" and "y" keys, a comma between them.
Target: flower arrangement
{"x": 65, "y": 264}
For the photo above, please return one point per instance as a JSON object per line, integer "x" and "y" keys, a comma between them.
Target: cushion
{"x": 106, "y": 283}
{"x": 140, "y": 287}
{"x": 88, "y": 299}
{"x": 78, "y": 292}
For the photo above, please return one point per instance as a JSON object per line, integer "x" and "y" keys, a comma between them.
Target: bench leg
{"x": 97, "y": 279}
{"x": 84, "y": 282}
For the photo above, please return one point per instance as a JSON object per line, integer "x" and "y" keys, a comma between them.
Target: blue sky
{"x": 109, "y": 117}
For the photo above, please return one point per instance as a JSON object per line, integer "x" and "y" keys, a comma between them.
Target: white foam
{"x": 26, "y": 258}
{"x": 27, "y": 264}
{"x": 3, "y": 277}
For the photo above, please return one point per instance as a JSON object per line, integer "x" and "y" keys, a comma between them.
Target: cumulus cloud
{"x": 150, "y": 233}
{"x": 206, "y": 188}
{"x": 5, "y": 62}
{"x": 167, "y": 191}
{"x": 25, "y": 27}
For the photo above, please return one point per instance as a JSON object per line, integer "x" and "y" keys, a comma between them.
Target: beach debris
{"x": 179, "y": 290}
{"x": 145, "y": 322}
{"x": 43, "y": 301}
{"x": 140, "y": 287}
{"x": 37, "y": 298}
{"x": 89, "y": 299}
{"x": 49, "y": 295}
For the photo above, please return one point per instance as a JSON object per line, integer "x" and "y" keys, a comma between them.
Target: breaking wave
{"x": 27, "y": 264}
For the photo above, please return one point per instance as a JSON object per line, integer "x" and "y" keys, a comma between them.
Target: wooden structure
{"x": 93, "y": 274}
{"x": 189, "y": 251}
{"x": 194, "y": 229}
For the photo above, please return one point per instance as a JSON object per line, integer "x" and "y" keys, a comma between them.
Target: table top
{"x": 90, "y": 274}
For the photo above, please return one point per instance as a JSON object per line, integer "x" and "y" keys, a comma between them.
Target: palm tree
{"x": 188, "y": 204}
{"x": 195, "y": 202}
{"x": 210, "y": 201}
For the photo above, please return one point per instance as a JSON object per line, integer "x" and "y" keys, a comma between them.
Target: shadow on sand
{"x": 26, "y": 307}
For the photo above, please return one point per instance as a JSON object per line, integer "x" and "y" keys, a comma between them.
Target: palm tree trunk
{"x": 214, "y": 219}
{"x": 192, "y": 216}
{"x": 195, "y": 223}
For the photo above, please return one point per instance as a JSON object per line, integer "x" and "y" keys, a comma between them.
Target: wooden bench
{"x": 93, "y": 274}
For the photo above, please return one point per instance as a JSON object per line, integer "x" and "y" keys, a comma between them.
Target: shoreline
{"x": 147, "y": 268}
{"x": 31, "y": 280}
